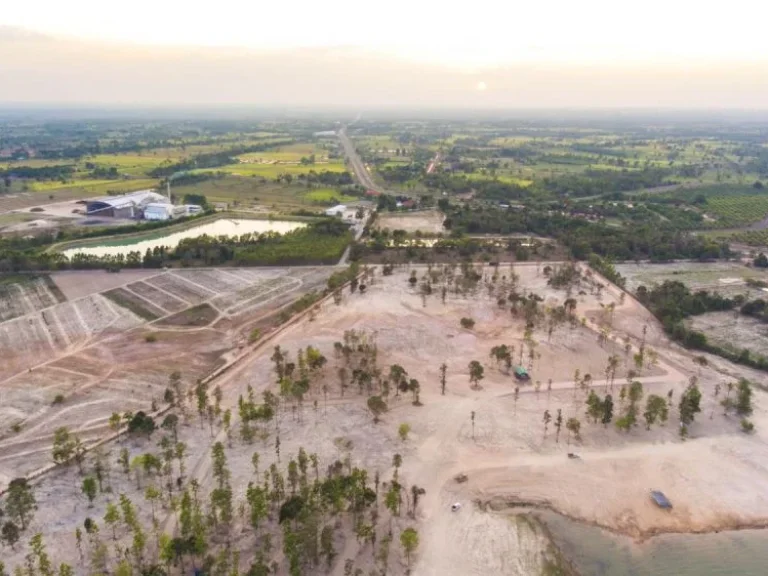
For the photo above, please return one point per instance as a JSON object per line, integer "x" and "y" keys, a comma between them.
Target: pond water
{"x": 221, "y": 227}
{"x": 595, "y": 552}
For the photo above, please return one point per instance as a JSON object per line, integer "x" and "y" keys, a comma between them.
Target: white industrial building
{"x": 336, "y": 210}
{"x": 122, "y": 206}
{"x": 158, "y": 211}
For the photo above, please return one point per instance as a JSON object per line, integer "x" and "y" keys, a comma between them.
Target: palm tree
{"x": 547, "y": 419}
{"x": 558, "y": 424}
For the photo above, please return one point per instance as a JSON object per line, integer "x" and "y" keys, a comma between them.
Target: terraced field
{"x": 73, "y": 363}
{"x": 24, "y": 295}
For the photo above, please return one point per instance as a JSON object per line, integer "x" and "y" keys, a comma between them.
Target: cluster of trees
{"x": 672, "y": 302}
{"x": 295, "y": 514}
{"x": 57, "y": 172}
{"x": 583, "y": 238}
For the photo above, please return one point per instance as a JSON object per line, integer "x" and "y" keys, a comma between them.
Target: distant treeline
{"x": 58, "y": 172}
{"x": 672, "y": 302}
{"x": 214, "y": 159}
{"x": 583, "y": 238}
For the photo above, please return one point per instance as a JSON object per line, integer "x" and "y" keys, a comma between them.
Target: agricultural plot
{"x": 25, "y": 295}
{"x": 727, "y": 278}
{"x": 734, "y": 211}
{"x": 29, "y": 340}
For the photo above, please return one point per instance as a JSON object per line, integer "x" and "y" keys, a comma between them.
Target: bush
{"x": 59, "y": 399}
{"x": 254, "y": 335}
{"x": 150, "y": 338}
{"x": 746, "y": 426}
{"x": 467, "y": 323}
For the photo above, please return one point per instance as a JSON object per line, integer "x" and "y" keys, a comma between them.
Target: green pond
{"x": 221, "y": 227}
{"x": 595, "y": 552}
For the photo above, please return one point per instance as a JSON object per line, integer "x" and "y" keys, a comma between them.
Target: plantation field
{"x": 733, "y": 211}
{"x": 253, "y": 191}
{"x": 328, "y": 195}
{"x": 756, "y": 238}
{"x": 275, "y": 170}
{"x": 727, "y": 278}
{"x": 291, "y": 153}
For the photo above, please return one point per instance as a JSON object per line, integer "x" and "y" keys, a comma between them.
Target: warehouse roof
{"x": 139, "y": 198}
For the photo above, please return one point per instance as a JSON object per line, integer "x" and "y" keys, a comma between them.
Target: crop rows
{"x": 177, "y": 286}
{"x": 25, "y": 297}
{"x": 732, "y": 211}
{"x": 749, "y": 237}
{"x": 163, "y": 299}
{"x": 237, "y": 302}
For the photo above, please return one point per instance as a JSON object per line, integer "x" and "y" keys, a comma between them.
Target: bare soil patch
{"x": 428, "y": 221}
{"x": 79, "y": 283}
{"x": 200, "y": 315}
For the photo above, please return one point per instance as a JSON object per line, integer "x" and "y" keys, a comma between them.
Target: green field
{"x": 327, "y": 195}
{"x": 734, "y": 211}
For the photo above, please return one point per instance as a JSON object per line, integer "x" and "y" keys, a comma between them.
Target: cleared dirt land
{"x": 429, "y": 221}
{"x": 97, "y": 355}
{"x": 714, "y": 478}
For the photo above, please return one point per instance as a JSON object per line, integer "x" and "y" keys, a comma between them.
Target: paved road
{"x": 361, "y": 172}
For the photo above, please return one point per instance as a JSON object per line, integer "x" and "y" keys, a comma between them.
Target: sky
{"x": 485, "y": 53}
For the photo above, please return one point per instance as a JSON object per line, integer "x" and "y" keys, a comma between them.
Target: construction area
{"x": 487, "y": 441}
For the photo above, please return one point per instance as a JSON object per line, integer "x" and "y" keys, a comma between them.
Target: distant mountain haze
{"x": 38, "y": 68}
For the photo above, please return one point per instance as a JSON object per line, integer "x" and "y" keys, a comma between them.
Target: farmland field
{"x": 727, "y": 278}
{"x": 20, "y": 295}
{"x": 733, "y": 211}
{"x": 93, "y": 351}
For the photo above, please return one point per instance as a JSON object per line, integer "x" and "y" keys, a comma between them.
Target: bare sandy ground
{"x": 77, "y": 284}
{"x": 430, "y": 221}
{"x": 715, "y": 478}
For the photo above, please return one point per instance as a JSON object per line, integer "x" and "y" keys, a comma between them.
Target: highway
{"x": 362, "y": 175}
{"x": 356, "y": 163}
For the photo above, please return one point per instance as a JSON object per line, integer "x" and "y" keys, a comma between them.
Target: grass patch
{"x": 197, "y": 316}
{"x": 132, "y": 303}
{"x": 328, "y": 196}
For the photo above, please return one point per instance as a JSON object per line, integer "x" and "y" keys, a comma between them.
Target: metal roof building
{"x": 123, "y": 206}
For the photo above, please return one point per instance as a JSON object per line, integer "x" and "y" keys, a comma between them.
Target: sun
{"x": 482, "y": 86}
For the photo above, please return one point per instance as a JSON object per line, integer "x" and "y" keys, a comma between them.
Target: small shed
{"x": 660, "y": 500}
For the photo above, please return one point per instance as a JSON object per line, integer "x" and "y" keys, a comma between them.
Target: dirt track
{"x": 712, "y": 478}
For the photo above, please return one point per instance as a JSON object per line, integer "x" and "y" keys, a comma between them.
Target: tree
{"x": 89, "y": 489}
{"x": 744, "y": 398}
{"x": 595, "y": 407}
{"x": 546, "y": 419}
{"x": 377, "y": 406}
{"x": 655, "y": 409}
{"x": 476, "y": 373}
{"x": 574, "y": 427}
{"x": 171, "y": 424}
{"x": 558, "y": 425}
{"x": 112, "y": 517}
{"x": 63, "y": 445}
{"x": 443, "y": 369}
{"x": 115, "y": 423}
{"x": 689, "y": 406}
{"x": 140, "y": 423}
{"x": 409, "y": 539}
{"x": 403, "y": 431}
{"x": 20, "y": 501}
{"x": 467, "y": 323}
{"x": 10, "y": 534}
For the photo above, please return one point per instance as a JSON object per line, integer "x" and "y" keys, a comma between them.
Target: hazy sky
{"x": 484, "y": 53}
